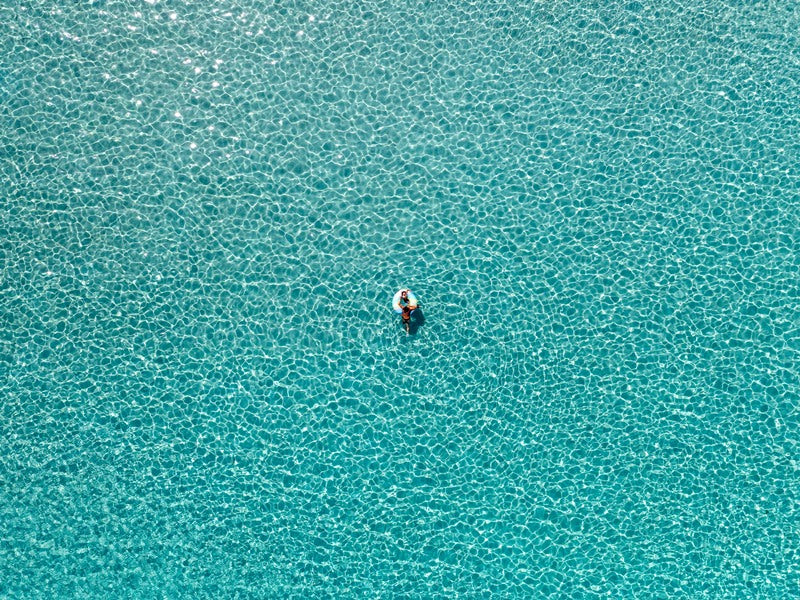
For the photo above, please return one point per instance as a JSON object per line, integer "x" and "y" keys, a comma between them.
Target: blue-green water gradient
{"x": 206, "y": 209}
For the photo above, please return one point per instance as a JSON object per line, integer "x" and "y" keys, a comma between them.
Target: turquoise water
{"x": 207, "y": 207}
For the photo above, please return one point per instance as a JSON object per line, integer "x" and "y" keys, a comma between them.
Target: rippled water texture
{"x": 206, "y": 209}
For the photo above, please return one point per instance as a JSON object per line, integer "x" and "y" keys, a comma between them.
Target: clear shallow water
{"x": 207, "y": 208}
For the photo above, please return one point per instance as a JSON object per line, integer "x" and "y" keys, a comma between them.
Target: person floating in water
{"x": 405, "y": 302}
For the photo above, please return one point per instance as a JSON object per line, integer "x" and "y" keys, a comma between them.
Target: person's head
{"x": 404, "y": 294}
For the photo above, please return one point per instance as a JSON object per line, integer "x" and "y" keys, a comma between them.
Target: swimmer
{"x": 407, "y": 306}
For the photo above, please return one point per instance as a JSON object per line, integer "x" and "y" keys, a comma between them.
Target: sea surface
{"x": 206, "y": 208}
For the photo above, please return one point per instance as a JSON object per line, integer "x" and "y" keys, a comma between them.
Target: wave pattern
{"x": 207, "y": 208}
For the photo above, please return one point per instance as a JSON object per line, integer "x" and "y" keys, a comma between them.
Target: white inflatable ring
{"x": 412, "y": 301}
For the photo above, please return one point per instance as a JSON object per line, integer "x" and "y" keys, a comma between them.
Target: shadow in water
{"x": 417, "y": 321}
